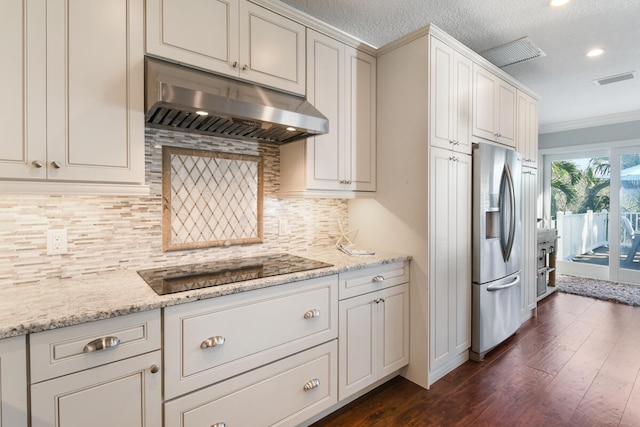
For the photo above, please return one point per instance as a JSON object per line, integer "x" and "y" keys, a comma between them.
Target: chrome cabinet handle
{"x": 212, "y": 342}
{"x": 219, "y": 425}
{"x": 101, "y": 344}
{"x": 37, "y": 164}
{"x": 245, "y": 67}
{"x": 154, "y": 369}
{"x": 312, "y": 313}
{"x": 235, "y": 64}
{"x": 377, "y": 279}
{"x": 56, "y": 164}
{"x": 311, "y": 384}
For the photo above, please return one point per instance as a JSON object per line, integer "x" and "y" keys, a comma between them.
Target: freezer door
{"x": 497, "y": 235}
{"x": 496, "y": 313}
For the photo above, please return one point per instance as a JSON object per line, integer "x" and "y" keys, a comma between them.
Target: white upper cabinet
{"x": 450, "y": 97}
{"x": 77, "y": 77}
{"x": 527, "y": 140}
{"x": 494, "y": 112}
{"x": 232, "y": 37}
{"x": 341, "y": 85}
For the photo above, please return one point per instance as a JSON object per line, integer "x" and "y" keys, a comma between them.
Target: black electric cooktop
{"x": 187, "y": 277}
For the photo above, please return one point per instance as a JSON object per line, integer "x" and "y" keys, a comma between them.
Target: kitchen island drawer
{"x": 209, "y": 341}
{"x": 358, "y": 282}
{"x": 74, "y": 348}
{"x": 284, "y": 393}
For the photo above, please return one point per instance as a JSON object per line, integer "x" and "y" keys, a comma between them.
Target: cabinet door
{"x": 494, "y": 107}
{"x": 357, "y": 344}
{"x": 202, "y": 33}
{"x": 450, "y": 98}
{"x": 325, "y": 90}
{"x": 529, "y": 242}
{"x": 393, "y": 324}
{"x": 272, "y": 49}
{"x": 13, "y": 382}
{"x": 23, "y": 110}
{"x": 95, "y": 64}
{"x": 125, "y": 393}
{"x": 527, "y": 129}
{"x": 506, "y": 113}
{"x": 360, "y": 147}
{"x": 450, "y": 256}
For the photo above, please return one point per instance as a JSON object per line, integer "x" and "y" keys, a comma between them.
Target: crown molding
{"x": 610, "y": 119}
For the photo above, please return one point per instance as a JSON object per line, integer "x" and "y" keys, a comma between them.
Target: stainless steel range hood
{"x": 181, "y": 98}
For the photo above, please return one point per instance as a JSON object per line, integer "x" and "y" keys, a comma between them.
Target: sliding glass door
{"x": 625, "y": 221}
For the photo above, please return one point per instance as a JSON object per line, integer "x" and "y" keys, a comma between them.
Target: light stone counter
{"x": 58, "y": 303}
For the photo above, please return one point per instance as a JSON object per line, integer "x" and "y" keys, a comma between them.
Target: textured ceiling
{"x": 563, "y": 78}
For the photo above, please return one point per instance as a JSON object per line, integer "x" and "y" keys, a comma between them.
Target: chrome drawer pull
{"x": 219, "y": 425}
{"x": 311, "y": 384}
{"x": 312, "y": 313}
{"x": 212, "y": 342}
{"x": 101, "y": 344}
{"x": 378, "y": 279}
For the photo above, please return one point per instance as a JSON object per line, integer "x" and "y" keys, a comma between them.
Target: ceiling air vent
{"x": 513, "y": 52}
{"x": 617, "y": 78}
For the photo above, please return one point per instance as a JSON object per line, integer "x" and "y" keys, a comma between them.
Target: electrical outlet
{"x": 57, "y": 241}
{"x": 283, "y": 227}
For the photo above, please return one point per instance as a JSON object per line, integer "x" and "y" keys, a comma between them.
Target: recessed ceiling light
{"x": 595, "y": 52}
{"x": 556, "y": 3}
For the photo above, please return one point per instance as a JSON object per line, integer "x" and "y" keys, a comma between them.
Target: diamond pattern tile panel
{"x": 210, "y": 198}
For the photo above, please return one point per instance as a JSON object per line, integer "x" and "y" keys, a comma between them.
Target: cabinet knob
{"x": 56, "y": 164}
{"x": 154, "y": 369}
{"x": 37, "y": 164}
{"x": 453, "y": 158}
{"x": 245, "y": 67}
{"x": 378, "y": 278}
{"x": 235, "y": 64}
{"x": 102, "y": 343}
{"x": 219, "y": 425}
{"x": 312, "y": 313}
{"x": 212, "y": 342}
{"x": 311, "y": 384}
{"x": 378, "y": 300}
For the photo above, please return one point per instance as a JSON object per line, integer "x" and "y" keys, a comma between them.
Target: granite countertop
{"x": 58, "y": 303}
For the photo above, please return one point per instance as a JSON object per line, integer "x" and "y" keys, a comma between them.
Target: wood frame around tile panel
{"x": 167, "y": 152}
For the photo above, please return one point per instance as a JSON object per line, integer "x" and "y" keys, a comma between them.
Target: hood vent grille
{"x": 167, "y": 117}
{"x": 185, "y": 99}
{"x": 513, "y": 52}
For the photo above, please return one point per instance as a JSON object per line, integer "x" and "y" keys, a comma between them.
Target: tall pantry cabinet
{"x": 423, "y": 200}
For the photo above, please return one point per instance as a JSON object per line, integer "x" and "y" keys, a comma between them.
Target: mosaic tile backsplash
{"x": 107, "y": 233}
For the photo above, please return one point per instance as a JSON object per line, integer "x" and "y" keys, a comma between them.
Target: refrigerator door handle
{"x": 508, "y": 180}
{"x": 506, "y": 286}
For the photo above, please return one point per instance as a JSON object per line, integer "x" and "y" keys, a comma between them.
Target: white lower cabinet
{"x": 103, "y": 373}
{"x": 13, "y": 382}
{"x": 124, "y": 393}
{"x": 208, "y": 341}
{"x": 374, "y": 336}
{"x": 284, "y": 393}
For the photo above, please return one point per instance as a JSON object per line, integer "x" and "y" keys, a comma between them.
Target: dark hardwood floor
{"x": 576, "y": 364}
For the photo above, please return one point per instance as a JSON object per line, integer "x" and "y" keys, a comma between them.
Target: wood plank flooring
{"x": 576, "y": 364}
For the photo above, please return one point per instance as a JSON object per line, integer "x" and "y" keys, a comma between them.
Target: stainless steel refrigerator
{"x": 497, "y": 240}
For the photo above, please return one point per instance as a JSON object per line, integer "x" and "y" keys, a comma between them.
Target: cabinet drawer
{"x": 284, "y": 393}
{"x": 358, "y": 282}
{"x": 209, "y": 341}
{"x": 62, "y": 351}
